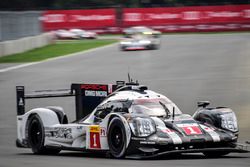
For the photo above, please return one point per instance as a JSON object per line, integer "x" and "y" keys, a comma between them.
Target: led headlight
{"x": 229, "y": 121}
{"x": 142, "y": 127}
{"x": 147, "y": 33}
{"x": 144, "y": 42}
{"x": 125, "y": 42}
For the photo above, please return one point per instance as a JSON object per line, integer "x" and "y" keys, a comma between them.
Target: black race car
{"x": 125, "y": 120}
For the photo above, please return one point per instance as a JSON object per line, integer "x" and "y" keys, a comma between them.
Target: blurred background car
{"x": 140, "y": 41}
{"x": 142, "y": 30}
{"x": 65, "y": 34}
{"x": 83, "y": 34}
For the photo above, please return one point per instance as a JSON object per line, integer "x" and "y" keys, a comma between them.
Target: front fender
{"x": 47, "y": 116}
{"x": 125, "y": 123}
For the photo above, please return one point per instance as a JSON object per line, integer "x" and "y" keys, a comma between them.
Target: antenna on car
{"x": 173, "y": 114}
{"x": 129, "y": 79}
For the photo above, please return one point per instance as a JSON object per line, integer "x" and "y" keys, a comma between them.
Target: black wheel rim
{"x": 117, "y": 139}
{"x": 36, "y": 133}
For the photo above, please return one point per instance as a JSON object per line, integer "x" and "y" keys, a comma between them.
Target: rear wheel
{"x": 36, "y": 136}
{"x": 117, "y": 138}
{"x": 154, "y": 47}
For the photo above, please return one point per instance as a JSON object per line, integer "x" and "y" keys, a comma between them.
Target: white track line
{"x": 17, "y": 67}
{"x": 56, "y": 58}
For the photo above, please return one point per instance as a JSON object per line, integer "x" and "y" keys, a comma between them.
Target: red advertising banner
{"x": 86, "y": 19}
{"x": 167, "y": 19}
{"x": 229, "y": 17}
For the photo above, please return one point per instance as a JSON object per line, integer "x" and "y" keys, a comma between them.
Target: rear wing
{"x": 87, "y": 96}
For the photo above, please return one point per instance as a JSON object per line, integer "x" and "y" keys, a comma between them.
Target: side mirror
{"x": 203, "y": 104}
{"x": 101, "y": 113}
{"x": 125, "y": 109}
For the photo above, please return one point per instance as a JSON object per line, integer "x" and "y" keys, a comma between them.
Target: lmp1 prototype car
{"x": 124, "y": 120}
{"x": 141, "y": 29}
{"x": 140, "y": 38}
{"x": 65, "y": 34}
{"x": 140, "y": 42}
{"x": 83, "y": 34}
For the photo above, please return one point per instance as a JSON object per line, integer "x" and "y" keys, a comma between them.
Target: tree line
{"x": 86, "y": 4}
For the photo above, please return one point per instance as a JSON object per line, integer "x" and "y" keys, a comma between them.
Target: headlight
{"x": 142, "y": 127}
{"x": 147, "y": 33}
{"x": 229, "y": 121}
{"x": 144, "y": 42}
{"x": 125, "y": 43}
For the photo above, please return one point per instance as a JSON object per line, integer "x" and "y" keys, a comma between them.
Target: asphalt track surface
{"x": 186, "y": 68}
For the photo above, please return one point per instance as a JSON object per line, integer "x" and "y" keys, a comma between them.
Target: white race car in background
{"x": 140, "y": 41}
{"x": 65, "y": 34}
{"x": 83, "y": 34}
{"x": 128, "y": 32}
{"x": 75, "y": 34}
{"x": 140, "y": 38}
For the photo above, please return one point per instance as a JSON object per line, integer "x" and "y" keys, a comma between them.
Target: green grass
{"x": 54, "y": 50}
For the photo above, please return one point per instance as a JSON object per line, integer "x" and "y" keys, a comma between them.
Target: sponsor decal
{"x": 95, "y": 90}
{"x": 190, "y": 129}
{"x": 103, "y": 131}
{"x": 94, "y": 134}
{"x": 95, "y": 93}
{"x": 61, "y": 132}
{"x": 94, "y": 128}
{"x": 94, "y": 87}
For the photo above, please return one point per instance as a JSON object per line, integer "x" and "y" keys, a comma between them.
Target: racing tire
{"x": 122, "y": 48}
{"x": 36, "y": 136}
{"x": 117, "y": 140}
{"x": 215, "y": 154}
{"x": 151, "y": 47}
{"x": 155, "y": 47}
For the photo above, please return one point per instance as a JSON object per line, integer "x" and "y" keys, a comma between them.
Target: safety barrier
{"x": 167, "y": 19}
{"x": 24, "y": 44}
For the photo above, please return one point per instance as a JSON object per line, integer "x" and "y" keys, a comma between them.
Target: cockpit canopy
{"x": 159, "y": 107}
{"x": 154, "y": 107}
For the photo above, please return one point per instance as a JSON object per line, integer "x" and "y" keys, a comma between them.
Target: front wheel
{"x": 117, "y": 138}
{"x": 36, "y": 136}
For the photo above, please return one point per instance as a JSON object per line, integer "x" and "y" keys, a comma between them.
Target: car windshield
{"x": 154, "y": 107}
{"x": 141, "y": 29}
